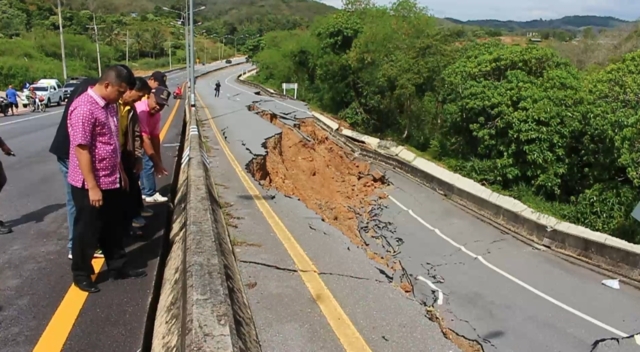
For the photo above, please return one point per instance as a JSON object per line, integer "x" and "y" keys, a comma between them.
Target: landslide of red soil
{"x": 319, "y": 173}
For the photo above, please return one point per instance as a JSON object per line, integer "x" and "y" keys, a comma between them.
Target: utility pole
{"x": 193, "y": 73}
{"x": 64, "y": 61}
{"x": 170, "y": 49}
{"x": 95, "y": 29}
{"x": 127, "y": 47}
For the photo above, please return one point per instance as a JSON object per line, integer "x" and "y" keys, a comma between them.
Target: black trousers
{"x": 93, "y": 227}
{"x": 133, "y": 198}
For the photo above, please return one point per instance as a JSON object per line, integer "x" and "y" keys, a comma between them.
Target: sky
{"x": 524, "y": 10}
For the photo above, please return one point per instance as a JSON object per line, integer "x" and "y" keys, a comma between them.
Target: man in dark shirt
{"x": 60, "y": 148}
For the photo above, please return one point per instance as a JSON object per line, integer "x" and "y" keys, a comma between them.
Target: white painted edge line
{"x": 32, "y": 117}
{"x": 508, "y": 276}
{"x": 473, "y": 255}
{"x": 440, "y": 295}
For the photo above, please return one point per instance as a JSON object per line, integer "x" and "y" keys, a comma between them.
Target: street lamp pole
{"x": 187, "y": 21}
{"x": 64, "y": 61}
{"x": 95, "y": 29}
{"x": 235, "y": 43}
{"x": 193, "y": 72}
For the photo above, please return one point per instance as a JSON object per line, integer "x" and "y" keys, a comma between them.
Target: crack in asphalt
{"x": 480, "y": 338}
{"x": 277, "y": 267}
{"x": 621, "y": 342}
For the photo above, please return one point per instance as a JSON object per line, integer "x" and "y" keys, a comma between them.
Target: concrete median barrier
{"x": 202, "y": 305}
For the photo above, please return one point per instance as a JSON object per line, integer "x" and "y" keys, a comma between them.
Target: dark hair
{"x": 142, "y": 86}
{"x": 118, "y": 74}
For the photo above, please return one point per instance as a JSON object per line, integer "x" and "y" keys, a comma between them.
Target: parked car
{"x": 66, "y": 90}
{"x": 75, "y": 79}
{"x": 50, "y": 93}
{"x": 4, "y": 106}
{"x": 227, "y": 61}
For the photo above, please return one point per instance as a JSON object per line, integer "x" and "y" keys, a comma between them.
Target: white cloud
{"x": 523, "y": 10}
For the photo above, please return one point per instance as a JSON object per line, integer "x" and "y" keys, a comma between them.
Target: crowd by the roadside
{"x": 108, "y": 150}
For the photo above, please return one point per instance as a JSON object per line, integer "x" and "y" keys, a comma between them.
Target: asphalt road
{"x": 35, "y": 272}
{"x": 518, "y": 297}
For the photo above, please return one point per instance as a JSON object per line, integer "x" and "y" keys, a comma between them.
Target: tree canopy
{"x": 522, "y": 120}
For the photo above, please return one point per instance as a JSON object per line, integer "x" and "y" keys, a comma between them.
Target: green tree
{"x": 12, "y": 20}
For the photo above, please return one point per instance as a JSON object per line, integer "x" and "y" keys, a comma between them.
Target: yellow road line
{"x": 342, "y": 326}
{"x": 55, "y": 334}
{"x": 167, "y": 124}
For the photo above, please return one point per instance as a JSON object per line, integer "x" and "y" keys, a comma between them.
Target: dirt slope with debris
{"x": 319, "y": 173}
{"x": 305, "y": 163}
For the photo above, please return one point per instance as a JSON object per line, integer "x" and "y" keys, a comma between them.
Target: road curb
{"x": 202, "y": 304}
{"x": 599, "y": 249}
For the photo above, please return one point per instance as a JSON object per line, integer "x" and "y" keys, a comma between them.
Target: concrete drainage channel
{"x": 201, "y": 304}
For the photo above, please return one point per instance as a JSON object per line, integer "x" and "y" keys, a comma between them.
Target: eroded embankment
{"x": 305, "y": 163}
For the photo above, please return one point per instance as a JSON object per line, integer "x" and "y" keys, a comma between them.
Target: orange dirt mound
{"x": 318, "y": 172}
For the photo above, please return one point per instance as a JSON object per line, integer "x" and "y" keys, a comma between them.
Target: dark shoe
{"x": 136, "y": 233}
{"x": 127, "y": 274}
{"x": 86, "y": 285}
{"x": 4, "y": 229}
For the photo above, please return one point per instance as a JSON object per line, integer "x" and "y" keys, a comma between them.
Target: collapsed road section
{"x": 304, "y": 162}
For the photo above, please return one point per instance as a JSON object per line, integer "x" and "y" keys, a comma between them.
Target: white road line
{"x": 246, "y": 91}
{"x": 31, "y": 117}
{"x": 440, "y": 295}
{"x": 471, "y": 254}
{"x": 508, "y": 276}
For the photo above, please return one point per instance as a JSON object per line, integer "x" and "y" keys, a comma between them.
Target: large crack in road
{"x": 304, "y": 162}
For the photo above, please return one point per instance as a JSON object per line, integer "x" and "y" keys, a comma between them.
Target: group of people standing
{"x": 108, "y": 151}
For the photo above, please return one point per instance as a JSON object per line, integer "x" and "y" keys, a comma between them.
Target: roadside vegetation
{"x": 30, "y": 38}
{"x": 525, "y": 120}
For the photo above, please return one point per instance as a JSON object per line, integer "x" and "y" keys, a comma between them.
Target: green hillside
{"x": 567, "y": 22}
{"x": 237, "y": 11}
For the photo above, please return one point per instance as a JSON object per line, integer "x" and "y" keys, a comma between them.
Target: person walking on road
{"x": 131, "y": 147}
{"x": 149, "y": 114}
{"x": 97, "y": 179}
{"x": 218, "y": 85}
{"x": 4, "y": 229}
{"x": 12, "y": 97}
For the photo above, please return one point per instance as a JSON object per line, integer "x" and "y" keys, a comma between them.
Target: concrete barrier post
{"x": 202, "y": 305}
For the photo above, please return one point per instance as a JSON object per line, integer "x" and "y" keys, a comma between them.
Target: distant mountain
{"x": 567, "y": 22}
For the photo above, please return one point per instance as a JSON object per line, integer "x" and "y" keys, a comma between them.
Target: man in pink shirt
{"x": 97, "y": 179}
{"x": 149, "y": 114}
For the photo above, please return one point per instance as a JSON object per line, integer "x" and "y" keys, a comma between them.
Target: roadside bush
{"x": 519, "y": 119}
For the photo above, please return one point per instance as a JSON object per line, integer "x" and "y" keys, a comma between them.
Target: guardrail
{"x": 202, "y": 305}
{"x": 598, "y": 249}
